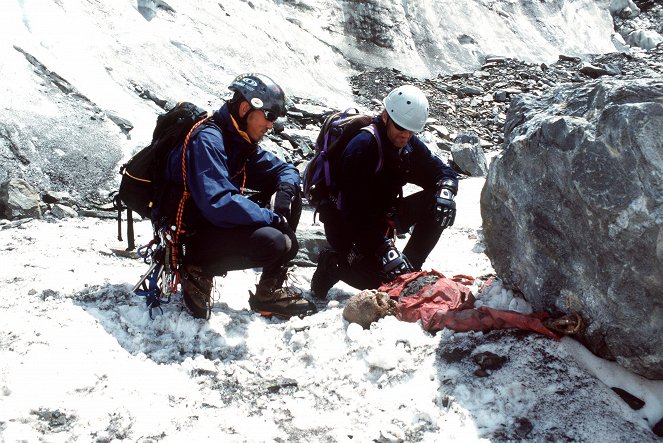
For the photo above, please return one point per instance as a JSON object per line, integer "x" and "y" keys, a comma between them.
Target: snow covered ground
{"x": 80, "y": 360}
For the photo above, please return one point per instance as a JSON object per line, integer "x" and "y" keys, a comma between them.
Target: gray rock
{"x": 147, "y": 8}
{"x": 573, "y": 212}
{"x": 273, "y": 145}
{"x": 5, "y": 224}
{"x": 572, "y": 59}
{"x": 308, "y": 110}
{"x": 623, "y": 8}
{"x": 58, "y": 197}
{"x": 471, "y": 90}
{"x": 598, "y": 71}
{"x": 468, "y": 155}
{"x": 309, "y": 249}
{"x": 62, "y": 211}
{"x": 442, "y": 130}
{"x": 645, "y": 39}
{"x": 125, "y": 125}
{"x": 302, "y": 140}
{"x": 500, "y": 96}
{"x": 18, "y": 199}
{"x": 495, "y": 59}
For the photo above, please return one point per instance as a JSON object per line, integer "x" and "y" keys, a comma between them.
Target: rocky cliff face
{"x": 430, "y": 38}
{"x": 573, "y": 212}
{"x": 84, "y": 81}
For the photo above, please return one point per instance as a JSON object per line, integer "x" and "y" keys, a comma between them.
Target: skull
{"x": 367, "y": 307}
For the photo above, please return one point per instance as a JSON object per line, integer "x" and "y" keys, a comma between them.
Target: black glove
{"x": 282, "y": 225}
{"x": 283, "y": 200}
{"x": 444, "y": 206}
{"x": 393, "y": 262}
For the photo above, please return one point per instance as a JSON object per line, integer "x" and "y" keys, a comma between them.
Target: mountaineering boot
{"x": 197, "y": 291}
{"x": 273, "y": 297}
{"x": 326, "y": 275}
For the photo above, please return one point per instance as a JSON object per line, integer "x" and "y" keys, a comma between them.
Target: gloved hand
{"x": 394, "y": 222}
{"x": 281, "y": 223}
{"x": 444, "y": 206}
{"x": 393, "y": 262}
{"x": 283, "y": 200}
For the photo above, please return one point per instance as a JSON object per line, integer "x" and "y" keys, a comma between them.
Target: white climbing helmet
{"x": 408, "y": 107}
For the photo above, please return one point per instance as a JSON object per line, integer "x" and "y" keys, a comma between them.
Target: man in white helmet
{"x": 370, "y": 209}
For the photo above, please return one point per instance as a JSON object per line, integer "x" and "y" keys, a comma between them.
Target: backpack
{"x": 141, "y": 186}
{"x": 144, "y": 190}
{"x": 320, "y": 180}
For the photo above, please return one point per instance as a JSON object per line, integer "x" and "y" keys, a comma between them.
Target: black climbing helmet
{"x": 261, "y": 92}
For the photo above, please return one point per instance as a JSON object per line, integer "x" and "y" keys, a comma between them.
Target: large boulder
{"x": 18, "y": 199}
{"x": 573, "y": 212}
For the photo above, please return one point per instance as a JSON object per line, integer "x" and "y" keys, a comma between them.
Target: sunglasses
{"x": 270, "y": 115}
{"x": 399, "y": 127}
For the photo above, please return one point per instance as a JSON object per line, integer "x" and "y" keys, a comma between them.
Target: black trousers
{"x": 413, "y": 211}
{"x": 219, "y": 250}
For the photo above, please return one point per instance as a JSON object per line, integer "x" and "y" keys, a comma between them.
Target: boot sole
{"x": 270, "y": 314}
{"x": 274, "y": 313}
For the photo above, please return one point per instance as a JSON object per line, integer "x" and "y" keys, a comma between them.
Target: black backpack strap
{"x": 119, "y": 224}
{"x": 131, "y": 244}
{"x": 374, "y": 131}
{"x": 119, "y": 207}
{"x": 131, "y": 241}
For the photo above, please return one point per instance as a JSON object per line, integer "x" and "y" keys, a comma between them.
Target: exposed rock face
{"x": 427, "y": 38}
{"x": 55, "y": 138}
{"x": 573, "y": 212}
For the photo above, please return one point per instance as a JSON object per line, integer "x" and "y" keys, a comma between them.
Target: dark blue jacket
{"x": 220, "y": 165}
{"x": 366, "y": 197}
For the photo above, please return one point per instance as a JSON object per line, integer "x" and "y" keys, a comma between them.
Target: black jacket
{"x": 367, "y": 196}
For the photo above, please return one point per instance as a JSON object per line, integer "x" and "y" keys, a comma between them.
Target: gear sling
{"x": 143, "y": 190}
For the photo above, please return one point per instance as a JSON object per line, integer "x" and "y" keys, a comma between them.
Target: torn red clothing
{"x": 448, "y": 303}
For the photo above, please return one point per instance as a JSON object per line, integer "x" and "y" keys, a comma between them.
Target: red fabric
{"x": 448, "y": 303}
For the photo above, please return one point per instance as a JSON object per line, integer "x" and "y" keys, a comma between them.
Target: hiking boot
{"x": 197, "y": 291}
{"x": 569, "y": 324}
{"x": 326, "y": 275}
{"x": 272, "y": 297}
